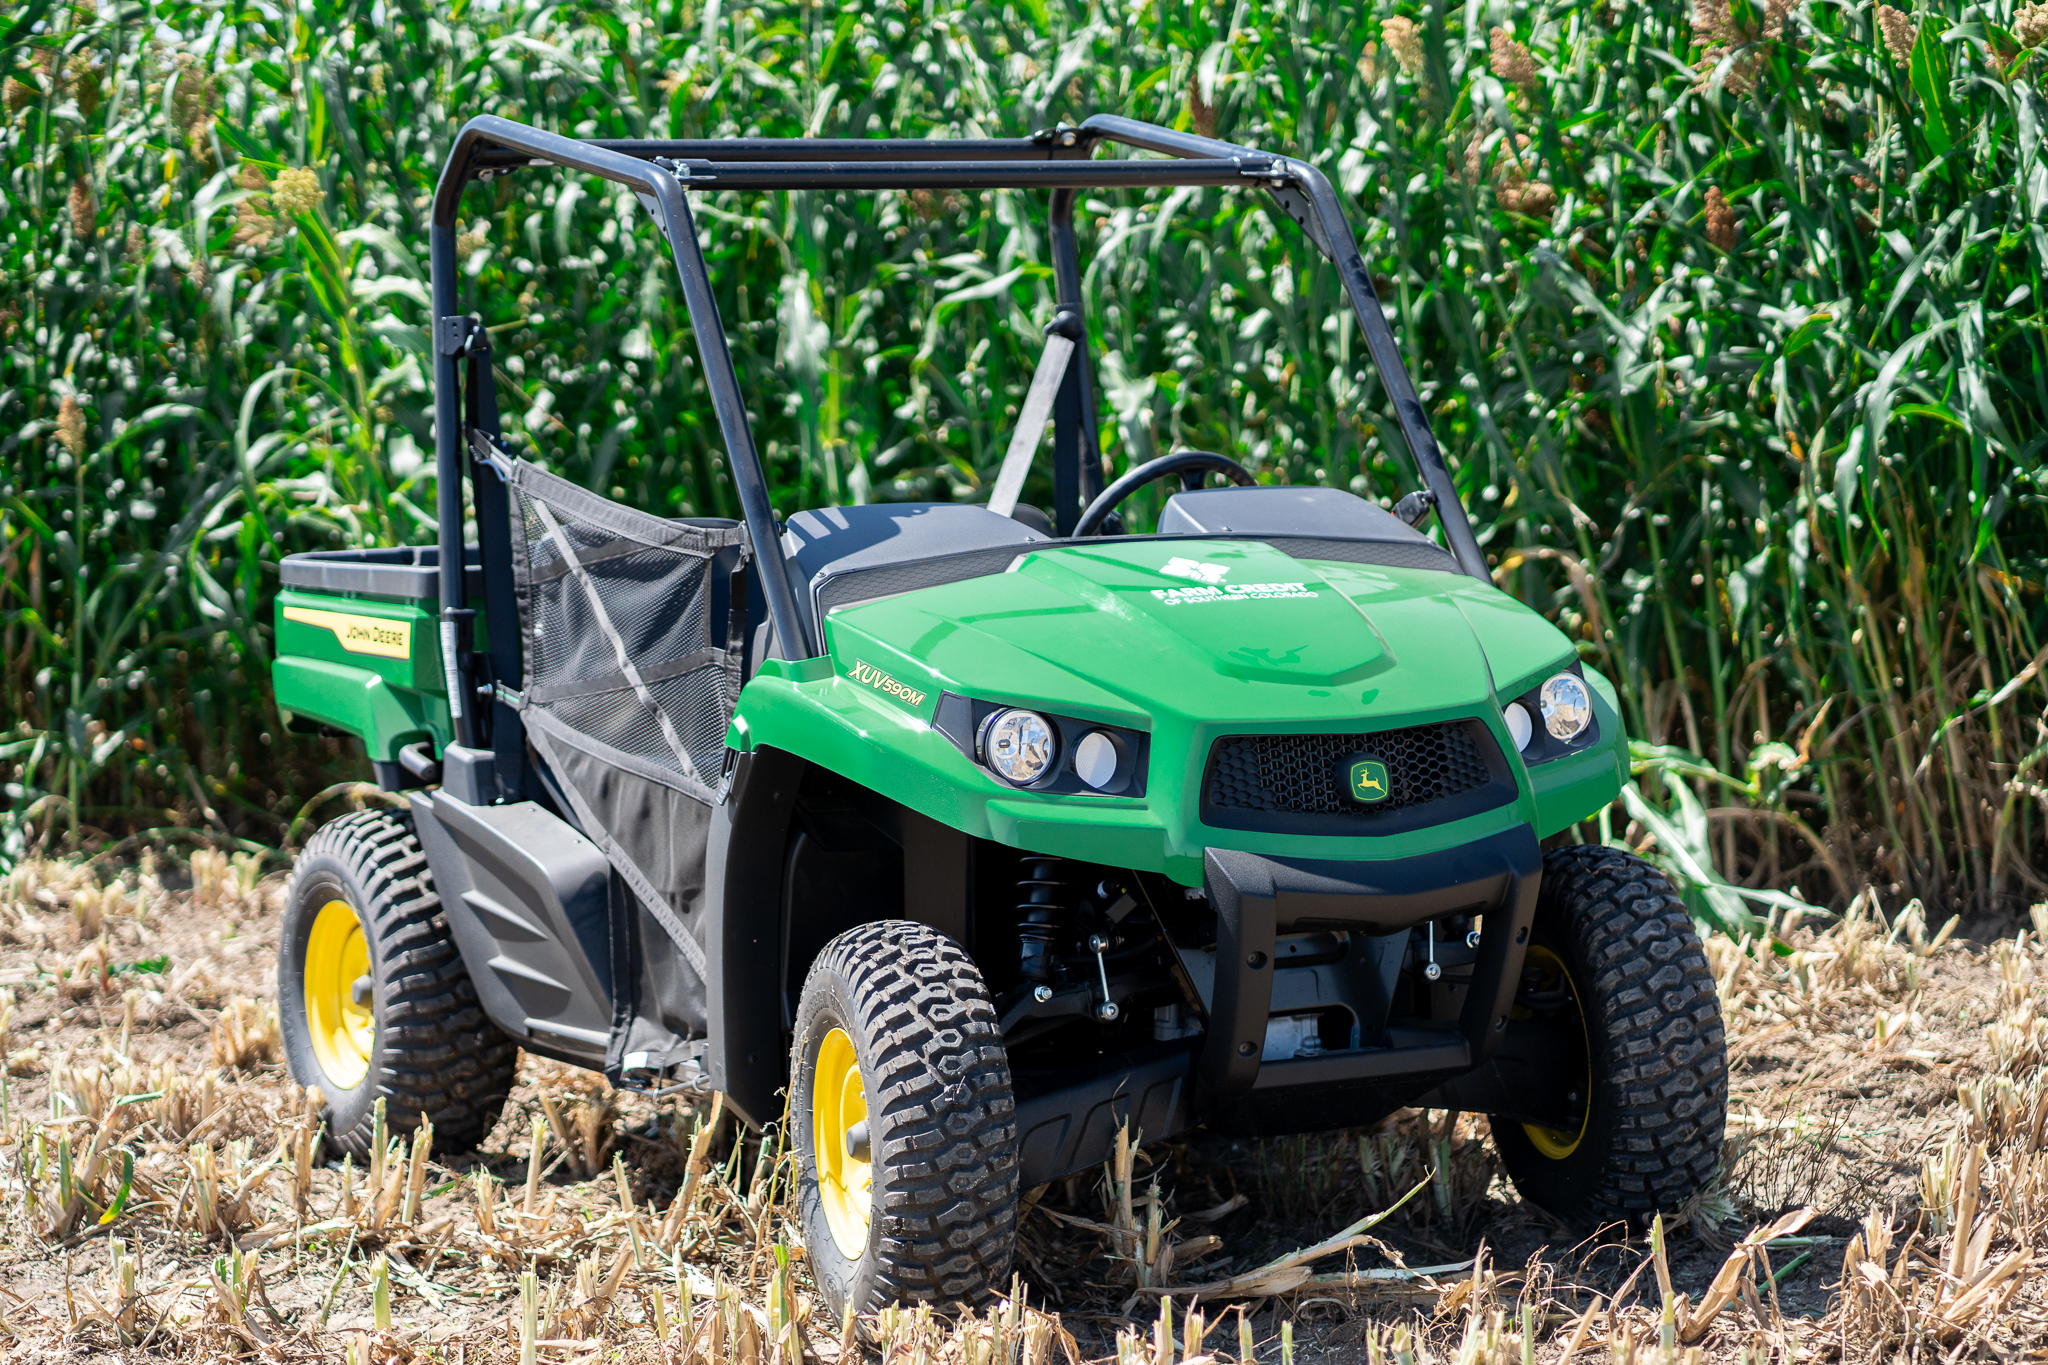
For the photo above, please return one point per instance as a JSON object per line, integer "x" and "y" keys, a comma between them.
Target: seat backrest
{"x": 1283, "y": 510}
{"x": 849, "y": 554}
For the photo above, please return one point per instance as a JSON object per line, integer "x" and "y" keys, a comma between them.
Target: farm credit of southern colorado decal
{"x": 1210, "y": 587}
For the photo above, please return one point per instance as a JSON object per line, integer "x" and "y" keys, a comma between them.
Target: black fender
{"x": 797, "y": 855}
{"x": 743, "y": 872}
{"x": 527, "y": 901}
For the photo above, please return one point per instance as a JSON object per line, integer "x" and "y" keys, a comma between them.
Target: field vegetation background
{"x": 1730, "y": 320}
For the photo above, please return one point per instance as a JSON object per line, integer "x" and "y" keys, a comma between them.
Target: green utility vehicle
{"x": 967, "y": 835}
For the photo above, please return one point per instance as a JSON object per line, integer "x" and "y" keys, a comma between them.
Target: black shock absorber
{"x": 1044, "y": 917}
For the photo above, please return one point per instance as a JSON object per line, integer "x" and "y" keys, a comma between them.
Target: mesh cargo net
{"x": 632, "y": 672}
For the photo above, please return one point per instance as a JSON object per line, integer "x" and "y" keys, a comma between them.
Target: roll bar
{"x": 1058, "y": 160}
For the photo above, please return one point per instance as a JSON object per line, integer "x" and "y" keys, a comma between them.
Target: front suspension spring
{"x": 1044, "y": 916}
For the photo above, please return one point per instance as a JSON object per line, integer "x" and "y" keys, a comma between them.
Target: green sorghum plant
{"x": 1731, "y": 322}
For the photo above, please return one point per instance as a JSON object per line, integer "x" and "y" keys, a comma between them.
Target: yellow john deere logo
{"x": 377, "y": 635}
{"x": 1368, "y": 780}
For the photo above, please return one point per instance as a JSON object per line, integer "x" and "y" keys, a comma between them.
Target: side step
{"x": 528, "y": 900}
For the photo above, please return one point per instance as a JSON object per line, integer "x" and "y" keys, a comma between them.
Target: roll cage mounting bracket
{"x": 1059, "y": 160}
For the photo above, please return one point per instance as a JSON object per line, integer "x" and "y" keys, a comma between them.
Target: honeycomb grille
{"x": 1304, "y": 774}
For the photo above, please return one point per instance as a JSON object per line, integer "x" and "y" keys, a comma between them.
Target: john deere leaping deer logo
{"x": 1369, "y": 781}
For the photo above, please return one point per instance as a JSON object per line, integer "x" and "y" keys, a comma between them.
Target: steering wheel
{"x": 1191, "y": 465}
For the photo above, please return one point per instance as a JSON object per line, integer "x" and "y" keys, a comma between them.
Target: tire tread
{"x": 1659, "y": 1026}
{"x": 443, "y": 1057}
{"x": 950, "y": 1219}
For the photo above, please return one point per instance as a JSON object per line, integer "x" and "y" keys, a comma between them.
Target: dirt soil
{"x": 1887, "y": 1091}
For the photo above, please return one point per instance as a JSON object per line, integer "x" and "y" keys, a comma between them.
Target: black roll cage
{"x": 1059, "y": 160}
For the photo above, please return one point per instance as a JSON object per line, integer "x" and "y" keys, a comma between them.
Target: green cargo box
{"x": 358, "y": 650}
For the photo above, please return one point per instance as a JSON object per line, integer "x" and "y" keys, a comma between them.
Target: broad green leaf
{"x": 1807, "y": 333}
{"x": 1938, "y": 411}
{"x": 1940, "y": 120}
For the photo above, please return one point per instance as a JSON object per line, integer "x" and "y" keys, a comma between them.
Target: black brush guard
{"x": 1066, "y": 1122}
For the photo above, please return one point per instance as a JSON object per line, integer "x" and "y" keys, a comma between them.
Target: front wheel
{"x": 1613, "y": 956}
{"x": 904, "y": 1119}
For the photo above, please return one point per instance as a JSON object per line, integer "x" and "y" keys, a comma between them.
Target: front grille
{"x": 1271, "y": 781}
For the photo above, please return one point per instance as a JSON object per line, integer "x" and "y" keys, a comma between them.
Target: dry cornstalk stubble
{"x": 159, "y": 1167}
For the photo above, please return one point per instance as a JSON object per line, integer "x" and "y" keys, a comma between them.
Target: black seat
{"x": 845, "y": 555}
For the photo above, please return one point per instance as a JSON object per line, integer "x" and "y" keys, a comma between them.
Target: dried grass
{"x": 245, "y": 1036}
{"x": 179, "y": 1201}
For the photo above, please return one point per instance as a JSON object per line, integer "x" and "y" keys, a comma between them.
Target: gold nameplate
{"x": 378, "y": 635}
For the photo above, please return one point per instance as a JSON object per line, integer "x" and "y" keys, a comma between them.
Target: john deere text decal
{"x": 360, "y": 634}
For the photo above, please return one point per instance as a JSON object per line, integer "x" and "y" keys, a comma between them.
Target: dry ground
{"x": 1885, "y": 1194}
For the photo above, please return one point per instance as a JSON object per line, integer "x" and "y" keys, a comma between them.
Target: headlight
{"x": 1567, "y": 707}
{"x": 1521, "y": 728}
{"x": 1019, "y": 745}
{"x": 1045, "y": 754}
{"x": 1095, "y": 759}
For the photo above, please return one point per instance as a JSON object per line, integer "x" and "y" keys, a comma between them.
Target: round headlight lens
{"x": 1521, "y": 728}
{"x": 1567, "y": 706}
{"x": 1095, "y": 759}
{"x": 1019, "y": 745}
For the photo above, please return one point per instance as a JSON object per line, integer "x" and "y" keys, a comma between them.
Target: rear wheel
{"x": 904, "y": 1122}
{"x": 373, "y": 997}
{"x": 1614, "y": 959}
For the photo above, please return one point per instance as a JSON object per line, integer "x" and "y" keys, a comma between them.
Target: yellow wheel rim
{"x": 343, "y": 1031}
{"x": 845, "y": 1182}
{"x": 1553, "y": 1143}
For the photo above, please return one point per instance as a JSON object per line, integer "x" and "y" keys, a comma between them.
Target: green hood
{"x": 1186, "y": 640}
{"x": 1210, "y": 630}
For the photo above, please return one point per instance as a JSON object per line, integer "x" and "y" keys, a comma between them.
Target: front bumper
{"x": 1257, "y": 899}
{"x": 1068, "y": 1121}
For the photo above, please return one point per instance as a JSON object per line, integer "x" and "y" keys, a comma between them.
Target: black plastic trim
{"x": 747, "y": 848}
{"x": 1067, "y": 1120}
{"x": 408, "y": 573}
{"x": 1256, "y": 898}
{"x": 1520, "y": 1081}
{"x": 852, "y": 587}
{"x": 528, "y": 902}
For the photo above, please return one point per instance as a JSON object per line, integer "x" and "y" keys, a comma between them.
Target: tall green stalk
{"x": 1733, "y": 334}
